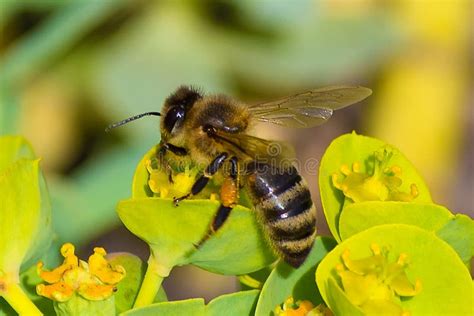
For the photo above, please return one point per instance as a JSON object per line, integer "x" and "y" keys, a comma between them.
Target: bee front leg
{"x": 164, "y": 163}
{"x": 229, "y": 198}
{"x": 178, "y": 151}
{"x": 202, "y": 181}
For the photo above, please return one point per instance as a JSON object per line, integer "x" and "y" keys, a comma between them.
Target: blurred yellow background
{"x": 69, "y": 68}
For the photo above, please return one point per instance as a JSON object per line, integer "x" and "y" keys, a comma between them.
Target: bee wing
{"x": 254, "y": 148}
{"x": 309, "y": 108}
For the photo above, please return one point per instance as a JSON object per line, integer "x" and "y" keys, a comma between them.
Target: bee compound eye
{"x": 174, "y": 116}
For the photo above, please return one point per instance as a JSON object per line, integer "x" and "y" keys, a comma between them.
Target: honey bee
{"x": 212, "y": 131}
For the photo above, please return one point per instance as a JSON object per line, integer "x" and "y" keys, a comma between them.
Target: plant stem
{"x": 17, "y": 299}
{"x": 155, "y": 273}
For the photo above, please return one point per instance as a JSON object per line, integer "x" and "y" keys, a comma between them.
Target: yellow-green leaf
{"x": 173, "y": 233}
{"x": 25, "y": 215}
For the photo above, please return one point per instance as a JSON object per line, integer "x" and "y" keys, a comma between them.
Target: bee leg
{"x": 229, "y": 198}
{"x": 202, "y": 181}
{"x": 178, "y": 151}
{"x": 163, "y": 163}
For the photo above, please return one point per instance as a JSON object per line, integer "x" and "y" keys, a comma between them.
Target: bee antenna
{"x": 132, "y": 118}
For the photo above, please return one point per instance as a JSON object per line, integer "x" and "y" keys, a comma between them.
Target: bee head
{"x": 173, "y": 115}
{"x": 175, "y": 109}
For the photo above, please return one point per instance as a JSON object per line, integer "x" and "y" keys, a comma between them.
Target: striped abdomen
{"x": 285, "y": 208}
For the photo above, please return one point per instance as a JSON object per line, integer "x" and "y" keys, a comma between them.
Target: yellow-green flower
{"x": 162, "y": 187}
{"x": 76, "y": 279}
{"x": 382, "y": 184}
{"x": 374, "y": 284}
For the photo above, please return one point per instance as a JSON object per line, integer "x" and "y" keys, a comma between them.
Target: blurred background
{"x": 69, "y": 68}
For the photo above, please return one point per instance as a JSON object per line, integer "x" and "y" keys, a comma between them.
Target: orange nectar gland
{"x": 94, "y": 281}
{"x": 382, "y": 184}
{"x": 290, "y": 308}
{"x": 374, "y": 284}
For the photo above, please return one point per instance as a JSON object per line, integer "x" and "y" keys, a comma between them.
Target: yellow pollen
{"x": 414, "y": 190}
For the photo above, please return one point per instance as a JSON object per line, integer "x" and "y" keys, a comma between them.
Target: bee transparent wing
{"x": 308, "y": 109}
{"x": 254, "y": 148}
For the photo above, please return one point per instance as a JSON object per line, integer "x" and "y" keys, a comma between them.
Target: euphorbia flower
{"x": 76, "y": 284}
{"x": 380, "y": 184}
{"x": 374, "y": 284}
{"x": 162, "y": 187}
{"x": 292, "y": 308}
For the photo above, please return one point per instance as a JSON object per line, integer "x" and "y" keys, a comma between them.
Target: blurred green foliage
{"x": 124, "y": 57}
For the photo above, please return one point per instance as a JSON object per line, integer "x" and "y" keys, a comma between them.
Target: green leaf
{"x": 14, "y": 148}
{"x": 443, "y": 276}
{"x": 285, "y": 281}
{"x": 26, "y": 216}
{"x": 238, "y": 304}
{"x": 358, "y": 217}
{"x": 127, "y": 288}
{"x": 44, "y": 235}
{"x": 459, "y": 233}
{"x": 194, "y": 307}
{"x": 172, "y": 233}
{"x": 234, "y": 304}
{"x": 350, "y": 148}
